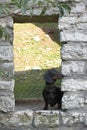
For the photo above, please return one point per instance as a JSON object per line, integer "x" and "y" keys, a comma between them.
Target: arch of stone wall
{"x": 73, "y": 36}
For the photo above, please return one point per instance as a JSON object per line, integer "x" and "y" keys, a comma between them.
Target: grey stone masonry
{"x": 74, "y": 84}
{"x": 74, "y": 67}
{"x": 73, "y": 100}
{"x": 73, "y": 36}
{"x": 7, "y": 102}
{"x": 74, "y": 51}
{"x": 45, "y": 120}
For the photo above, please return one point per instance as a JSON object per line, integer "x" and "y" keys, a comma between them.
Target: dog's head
{"x": 52, "y": 75}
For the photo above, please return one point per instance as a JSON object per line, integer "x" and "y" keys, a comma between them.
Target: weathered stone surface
{"x": 77, "y": 126}
{"x": 73, "y": 51}
{"x": 6, "y": 22}
{"x": 6, "y": 93}
{"x": 49, "y": 11}
{"x": 3, "y": 42}
{"x": 20, "y": 118}
{"x": 4, "y": 1}
{"x": 46, "y": 118}
{"x": 78, "y": 8}
{"x": 72, "y": 120}
{"x": 77, "y": 30}
{"x": 9, "y": 40}
{"x": 85, "y": 121}
{"x": 72, "y": 100}
{"x": 6, "y": 53}
{"x": 68, "y": 23}
{"x": 36, "y": 11}
{"x": 16, "y": 119}
{"x": 74, "y": 84}
{"x": 67, "y": 36}
{"x": 7, "y": 85}
{"x": 74, "y": 68}
{"x": 73, "y": 117}
{"x": 25, "y": 118}
{"x": 7, "y": 70}
{"x": 7, "y": 103}
{"x": 10, "y": 35}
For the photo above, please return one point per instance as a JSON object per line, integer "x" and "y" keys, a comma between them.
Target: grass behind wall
{"x": 36, "y": 49}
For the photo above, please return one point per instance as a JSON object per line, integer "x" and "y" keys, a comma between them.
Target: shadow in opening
{"x": 51, "y": 29}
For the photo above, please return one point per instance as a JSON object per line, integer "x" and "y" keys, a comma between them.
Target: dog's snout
{"x": 58, "y": 76}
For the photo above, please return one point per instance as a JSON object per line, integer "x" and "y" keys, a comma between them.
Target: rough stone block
{"x": 16, "y": 119}
{"x": 74, "y": 68}
{"x": 77, "y": 126}
{"x": 7, "y": 70}
{"x": 6, "y": 93}
{"x": 20, "y": 118}
{"x": 73, "y": 23}
{"x": 7, "y": 85}
{"x": 66, "y": 23}
{"x": 68, "y": 118}
{"x": 74, "y": 84}
{"x": 75, "y": 36}
{"x": 4, "y": 1}
{"x": 74, "y": 117}
{"x": 9, "y": 40}
{"x": 4, "y": 43}
{"x": 10, "y": 35}
{"x": 85, "y": 121}
{"x": 6, "y": 53}
{"x": 6, "y": 22}
{"x": 46, "y": 118}
{"x": 78, "y": 8}
{"x": 72, "y": 100}
{"x": 72, "y": 51}
{"x": 7, "y": 103}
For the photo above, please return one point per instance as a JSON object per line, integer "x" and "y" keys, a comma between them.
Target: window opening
{"x": 36, "y": 49}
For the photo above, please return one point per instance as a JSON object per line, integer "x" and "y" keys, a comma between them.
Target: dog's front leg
{"x": 59, "y": 106}
{"x": 46, "y": 106}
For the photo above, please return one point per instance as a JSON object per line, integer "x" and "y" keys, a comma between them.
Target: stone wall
{"x": 6, "y": 68}
{"x": 74, "y": 56}
{"x": 73, "y": 36}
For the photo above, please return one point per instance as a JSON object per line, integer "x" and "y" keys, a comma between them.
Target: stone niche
{"x": 73, "y": 36}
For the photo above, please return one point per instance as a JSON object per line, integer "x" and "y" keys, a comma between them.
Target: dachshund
{"x": 52, "y": 94}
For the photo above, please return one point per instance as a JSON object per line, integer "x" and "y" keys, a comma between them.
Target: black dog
{"x": 52, "y": 94}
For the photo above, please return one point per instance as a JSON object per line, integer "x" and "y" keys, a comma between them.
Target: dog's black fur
{"x": 51, "y": 93}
